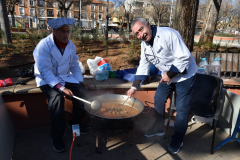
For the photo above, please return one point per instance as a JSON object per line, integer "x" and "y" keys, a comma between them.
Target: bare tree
{"x": 236, "y": 16}
{"x": 210, "y": 21}
{"x": 127, "y": 7}
{"x": 185, "y": 20}
{"x": 119, "y": 14}
{"x": 227, "y": 15}
{"x": 11, "y": 8}
{"x": 63, "y": 6}
{"x": 4, "y": 22}
{"x": 161, "y": 8}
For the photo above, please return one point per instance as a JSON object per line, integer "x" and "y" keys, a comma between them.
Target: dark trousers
{"x": 56, "y": 106}
{"x": 184, "y": 91}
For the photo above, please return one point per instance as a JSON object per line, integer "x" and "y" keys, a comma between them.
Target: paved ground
{"x": 35, "y": 144}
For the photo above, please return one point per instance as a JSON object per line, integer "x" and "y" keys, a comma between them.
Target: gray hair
{"x": 139, "y": 19}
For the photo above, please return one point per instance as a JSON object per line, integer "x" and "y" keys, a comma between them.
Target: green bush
{"x": 95, "y": 34}
{"x": 22, "y": 36}
{"x": 224, "y": 34}
{"x": 75, "y": 33}
{"x": 122, "y": 34}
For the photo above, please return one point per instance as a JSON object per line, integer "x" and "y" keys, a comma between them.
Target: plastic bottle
{"x": 203, "y": 67}
{"x": 215, "y": 68}
{"x": 102, "y": 75}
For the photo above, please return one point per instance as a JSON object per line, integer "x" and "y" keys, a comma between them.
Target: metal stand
{"x": 126, "y": 133}
{"x": 233, "y": 137}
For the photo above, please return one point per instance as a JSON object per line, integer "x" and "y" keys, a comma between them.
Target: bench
{"x": 27, "y": 105}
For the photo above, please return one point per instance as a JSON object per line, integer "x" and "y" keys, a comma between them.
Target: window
{"x": 32, "y": 12}
{"x": 76, "y": 14}
{"x": 100, "y": 15}
{"x": 83, "y": 15}
{"x": 21, "y": 3}
{"x": 92, "y": 7}
{"x": 58, "y": 13}
{"x": 100, "y": 7}
{"x": 92, "y": 15}
{"x": 42, "y": 12}
{"x": 84, "y": 24}
{"x": 76, "y": 6}
{"x": 31, "y": 3}
{"x": 50, "y": 13}
{"x": 41, "y": 3}
{"x": 84, "y": 8}
{"x": 50, "y": 4}
{"x": 92, "y": 24}
{"x": 69, "y": 14}
{"x": 21, "y": 11}
{"x": 148, "y": 5}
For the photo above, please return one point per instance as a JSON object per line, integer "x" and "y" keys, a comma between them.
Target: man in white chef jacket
{"x": 58, "y": 74}
{"x": 165, "y": 48}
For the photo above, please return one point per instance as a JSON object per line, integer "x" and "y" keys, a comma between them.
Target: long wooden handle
{"x": 82, "y": 100}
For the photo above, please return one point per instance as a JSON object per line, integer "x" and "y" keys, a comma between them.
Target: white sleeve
{"x": 180, "y": 51}
{"x": 144, "y": 66}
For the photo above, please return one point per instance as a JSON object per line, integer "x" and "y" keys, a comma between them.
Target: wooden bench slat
{"x": 223, "y": 62}
{"x": 235, "y": 62}
{"x": 229, "y": 62}
{"x": 212, "y": 57}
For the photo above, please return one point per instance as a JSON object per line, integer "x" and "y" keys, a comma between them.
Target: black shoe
{"x": 154, "y": 131}
{"x": 174, "y": 148}
{"x": 58, "y": 144}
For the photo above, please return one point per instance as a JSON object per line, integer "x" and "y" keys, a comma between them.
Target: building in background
{"x": 35, "y": 13}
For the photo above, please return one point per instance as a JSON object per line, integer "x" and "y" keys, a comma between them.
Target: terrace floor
{"x": 36, "y": 144}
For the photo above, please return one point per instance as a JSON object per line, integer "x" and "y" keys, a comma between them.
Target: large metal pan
{"x": 113, "y": 124}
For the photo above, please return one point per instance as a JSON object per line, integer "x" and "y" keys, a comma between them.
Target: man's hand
{"x": 67, "y": 93}
{"x": 130, "y": 92}
{"x": 85, "y": 85}
{"x": 165, "y": 79}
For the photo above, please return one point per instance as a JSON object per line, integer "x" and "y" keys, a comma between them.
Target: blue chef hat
{"x": 59, "y": 22}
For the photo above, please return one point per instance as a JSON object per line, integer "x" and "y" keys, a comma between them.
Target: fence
{"x": 230, "y": 65}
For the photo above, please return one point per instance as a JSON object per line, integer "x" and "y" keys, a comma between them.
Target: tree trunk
{"x": 65, "y": 13}
{"x": 210, "y": 21}
{"x": 128, "y": 25}
{"x": 4, "y": 22}
{"x": 185, "y": 20}
{"x": 13, "y": 19}
{"x": 158, "y": 22}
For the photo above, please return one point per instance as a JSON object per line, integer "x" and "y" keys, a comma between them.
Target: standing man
{"x": 58, "y": 75}
{"x": 165, "y": 48}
